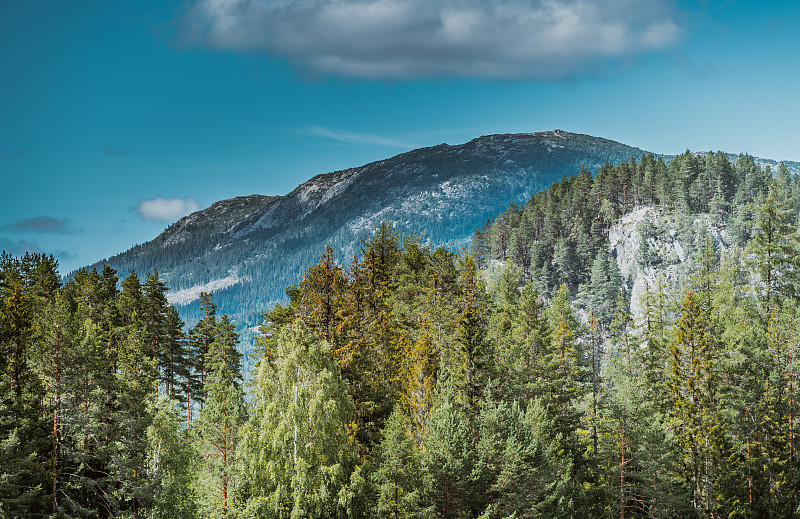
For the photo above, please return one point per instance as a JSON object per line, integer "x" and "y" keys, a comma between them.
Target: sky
{"x": 118, "y": 118}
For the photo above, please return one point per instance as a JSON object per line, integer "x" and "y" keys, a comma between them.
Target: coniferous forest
{"x": 517, "y": 379}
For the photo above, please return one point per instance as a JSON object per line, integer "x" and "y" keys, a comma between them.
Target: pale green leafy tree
{"x": 297, "y": 449}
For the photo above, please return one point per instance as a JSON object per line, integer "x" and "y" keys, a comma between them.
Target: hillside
{"x": 248, "y": 249}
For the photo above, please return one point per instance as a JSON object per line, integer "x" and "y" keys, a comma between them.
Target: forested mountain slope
{"x": 248, "y": 249}
{"x": 636, "y": 225}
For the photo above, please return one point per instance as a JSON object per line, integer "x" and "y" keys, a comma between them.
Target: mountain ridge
{"x": 248, "y": 249}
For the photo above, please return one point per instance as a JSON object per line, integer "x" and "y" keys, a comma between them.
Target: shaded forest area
{"x": 408, "y": 382}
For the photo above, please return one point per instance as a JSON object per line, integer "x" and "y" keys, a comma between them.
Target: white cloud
{"x": 165, "y": 209}
{"x": 356, "y": 138}
{"x": 407, "y": 39}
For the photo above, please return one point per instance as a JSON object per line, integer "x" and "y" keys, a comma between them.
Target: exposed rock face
{"x": 671, "y": 246}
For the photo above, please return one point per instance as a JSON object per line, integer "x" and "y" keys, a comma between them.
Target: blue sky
{"x": 116, "y": 118}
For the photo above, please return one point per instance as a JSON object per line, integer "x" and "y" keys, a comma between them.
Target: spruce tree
{"x": 775, "y": 247}
{"x": 471, "y": 363}
{"x": 523, "y": 362}
{"x": 694, "y": 402}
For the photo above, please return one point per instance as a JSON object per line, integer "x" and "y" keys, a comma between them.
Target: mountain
{"x": 248, "y": 249}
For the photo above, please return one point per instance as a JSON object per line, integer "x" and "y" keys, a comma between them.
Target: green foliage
{"x": 81, "y": 365}
{"x": 23, "y": 433}
{"x": 468, "y": 367}
{"x": 217, "y": 435}
{"x": 775, "y": 245}
{"x": 448, "y": 460}
{"x": 522, "y": 362}
{"x": 297, "y": 448}
{"x": 519, "y": 456}
{"x": 399, "y": 385}
{"x": 397, "y": 473}
{"x": 173, "y": 462}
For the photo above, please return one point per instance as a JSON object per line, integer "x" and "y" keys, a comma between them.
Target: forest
{"x": 516, "y": 379}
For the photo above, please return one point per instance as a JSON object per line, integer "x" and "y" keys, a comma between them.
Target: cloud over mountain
{"x": 164, "y": 209}
{"x": 409, "y": 39}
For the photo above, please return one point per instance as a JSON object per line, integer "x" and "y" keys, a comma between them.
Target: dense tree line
{"x": 95, "y": 374}
{"x": 493, "y": 401}
{"x": 409, "y": 381}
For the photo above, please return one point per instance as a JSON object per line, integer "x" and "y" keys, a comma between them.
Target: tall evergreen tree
{"x": 23, "y": 430}
{"x": 448, "y": 458}
{"x": 173, "y": 464}
{"x": 471, "y": 365}
{"x": 217, "y": 429}
{"x": 694, "y": 402}
{"x": 775, "y": 247}
{"x": 200, "y": 338}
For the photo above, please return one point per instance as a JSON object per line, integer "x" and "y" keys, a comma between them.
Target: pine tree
{"x": 134, "y": 393}
{"x": 174, "y": 358}
{"x": 418, "y": 375}
{"x": 321, "y": 288}
{"x": 200, "y": 339}
{"x": 86, "y": 440}
{"x": 131, "y": 299}
{"x": 448, "y": 457}
{"x": 58, "y": 333}
{"x": 636, "y": 453}
{"x": 369, "y": 336}
{"x": 480, "y": 250}
{"x": 217, "y": 431}
{"x": 163, "y": 326}
{"x": 266, "y": 343}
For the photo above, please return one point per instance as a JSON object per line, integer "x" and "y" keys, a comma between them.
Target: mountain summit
{"x": 248, "y": 249}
